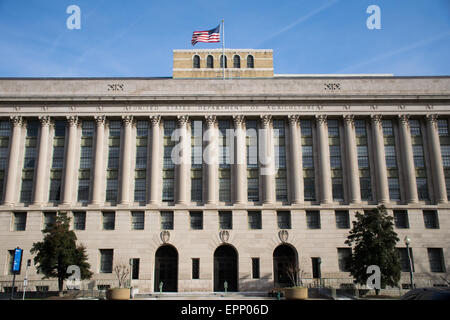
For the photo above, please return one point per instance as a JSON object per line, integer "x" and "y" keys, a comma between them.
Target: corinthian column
{"x": 126, "y": 174}
{"x": 240, "y": 171}
{"x": 380, "y": 159}
{"x": 296, "y": 172}
{"x": 408, "y": 160}
{"x": 42, "y": 166}
{"x": 183, "y": 166}
{"x": 69, "y": 173}
{"x": 13, "y": 162}
{"x": 352, "y": 160}
{"x": 155, "y": 172}
{"x": 99, "y": 165}
{"x": 267, "y": 160}
{"x": 212, "y": 166}
{"x": 437, "y": 168}
{"x": 326, "y": 191}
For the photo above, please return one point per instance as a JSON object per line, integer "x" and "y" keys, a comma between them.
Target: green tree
{"x": 59, "y": 250}
{"x": 374, "y": 239}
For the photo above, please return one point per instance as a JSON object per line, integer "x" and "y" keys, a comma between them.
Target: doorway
{"x": 225, "y": 268}
{"x": 166, "y": 269}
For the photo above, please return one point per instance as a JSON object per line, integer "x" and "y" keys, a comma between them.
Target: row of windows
{"x": 210, "y": 61}
{"x": 313, "y": 221}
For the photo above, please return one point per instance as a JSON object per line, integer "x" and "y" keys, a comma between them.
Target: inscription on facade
{"x": 335, "y": 86}
{"x": 115, "y": 87}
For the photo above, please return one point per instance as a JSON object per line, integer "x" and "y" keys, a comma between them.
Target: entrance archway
{"x": 225, "y": 268}
{"x": 166, "y": 269}
{"x": 284, "y": 256}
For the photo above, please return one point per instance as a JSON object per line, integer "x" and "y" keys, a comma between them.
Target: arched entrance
{"x": 225, "y": 268}
{"x": 284, "y": 256}
{"x": 166, "y": 269}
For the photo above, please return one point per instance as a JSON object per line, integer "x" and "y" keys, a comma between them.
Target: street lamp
{"x": 407, "y": 242}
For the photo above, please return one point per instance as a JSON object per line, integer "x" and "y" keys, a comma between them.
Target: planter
{"x": 296, "y": 293}
{"x": 118, "y": 294}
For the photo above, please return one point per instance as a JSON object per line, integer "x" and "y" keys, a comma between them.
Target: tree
{"x": 374, "y": 241}
{"x": 59, "y": 250}
{"x": 121, "y": 271}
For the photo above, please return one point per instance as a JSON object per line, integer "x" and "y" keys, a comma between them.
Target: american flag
{"x": 212, "y": 35}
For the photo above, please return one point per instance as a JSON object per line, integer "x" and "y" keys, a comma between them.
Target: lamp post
{"x": 407, "y": 242}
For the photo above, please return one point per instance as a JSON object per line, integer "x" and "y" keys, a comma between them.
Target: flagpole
{"x": 223, "y": 48}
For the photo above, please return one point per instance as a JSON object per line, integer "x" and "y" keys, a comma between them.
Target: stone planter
{"x": 118, "y": 294}
{"x": 298, "y": 293}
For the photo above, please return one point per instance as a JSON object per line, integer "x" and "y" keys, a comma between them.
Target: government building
{"x": 225, "y": 174}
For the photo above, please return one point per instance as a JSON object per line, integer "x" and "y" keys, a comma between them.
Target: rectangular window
{"x": 335, "y": 157}
{"x": 79, "y": 220}
{"x": 196, "y": 220}
{"x": 49, "y": 218}
{"x": 394, "y": 189}
{"x": 404, "y": 259}
{"x": 58, "y": 158}
{"x": 254, "y": 220}
{"x": 391, "y": 159}
{"x": 360, "y": 128}
{"x": 419, "y": 161}
{"x": 338, "y": 189}
{"x": 422, "y": 188}
{"x": 137, "y": 220}
{"x": 284, "y": 219}
{"x": 20, "y": 221}
{"x": 436, "y": 259}
{"x": 252, "y": 160}
{"x": 313, "y": 219}
{"x": 309, "y": 189}
{"x": 55, "y": 188}
{"x": 307, "y": 156}
{"x": 253, "y": 186}
{"x": 166, "y": 220}
{"x": 342, "y": 219}
{"x": 443, "y": 127}
{"x": 141, "y": 157}
{"x": 430, "y": 218}
{"x": 401, "y": 219}
{"x": 366, "y": 188}
{"x": 168, "y": 164}
{"x": 140, "y": 173}
{"x": 344, "y": 256}
{"x": 139, "y": 189}
{"x": 363, "y": 157}
{"x": 195, "y": 268}
{"x": 255, "y": 268}
{"x": 109, "y": 220}
{"x": 86, "y": 157}
{"x": 106, "y": 260}
{"x": 112, "y": 186}
{"x": 83, "y": 189}
{"x": 445, "y": 151}
{"x": 333, "y": 128}
{"x": 388, "y": 129}
{"x": 316, "y": 272}
{"x": 224, "y": 185}
{"x": 196, "y": 160}
{"x": 10, "y": 261}
{"x": 135, "y": 269}
{"x": 225, "y": 220}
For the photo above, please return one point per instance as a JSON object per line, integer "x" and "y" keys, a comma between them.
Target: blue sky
{"x": 135, "y": 38}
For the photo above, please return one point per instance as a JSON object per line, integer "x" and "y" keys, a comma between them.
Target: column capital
{"x": 432, "y": 118}
{"x": 377, "y": 119}
{"x": 321, "y": 118}
{"x": 211, "y": 120}
{"x": 293, "y": 119}
{"x": 100, "y": 120}
{"x": 73, "y": 121}
{"x": 17, "y": 121}
{"x": 238, "y": 120}
{"x": 155, "y": 120}
{"x": 349, "y": 119}
{"x": 127, "y": 120}
{"x": 45, "y": 121}
{"x": 404, "y": 118}
{"x": 266, "y": 120}
{"x": 182, "y": 120}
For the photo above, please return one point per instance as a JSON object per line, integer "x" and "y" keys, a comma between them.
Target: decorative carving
{"x": 349, "y": 119}
{"x": 283, "y": 235}
{"x": 72, "y": 120}
{"x": 182, "y": 120}
{"x": 17, "y": 108}
{"x": 165, "y": 236}
{"x": 293, "y": 119}
{"x": 432, "y": 118}
{"x": 266, "y": 119}
{"x": 321, "y": 119}
{"x": 127, "y": 120}
{"x": 376, "y": 119}
{"x": 401, "y": 107}
{"x": 346, "y": 107}
{"x": 44, "y": 108}
{"x": 429, "y": 107}
{"x": 373, "y": 107}
{"x": 17, "y": 121}
{"x": 73, "y": 108}
{"x": 100, "y": 108}
{"x": 238, "y": 120}
{"x": 404, "y": 118}
{"x": 211, "y": 120}
{"x": 44, "y": 120}
{"x": 155, "y": 120}
{"x": 224, "y": 235}
{"x": 100, "y": 120}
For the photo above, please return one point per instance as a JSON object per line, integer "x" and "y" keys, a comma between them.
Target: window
{"x": 316, "y": 267}
{"x": 79, "y": 220}
{"x": 360, "y": 128}
{"x": 313, "y": 219}
{"x": 210, "y": 61}
{"x": 141, "y": 157}
{"x": 443, "y": 127}
{"x": 168, "y": 165}
{"x": 344, "y": 256}
{"x": 250, "y": 62}
{"x": 366, "y": 188}
{"x": 58, "y": 157}
{"x": 436, "y": 259}
{"x": 137, "y": 220}
{"x": 430, "y": 219}
{"x": 404, "y": 259}
{"x": 388, "y": 129}
{"x": 255, "y": 268}
{"x": 196, "y": 62}
{"x": 135, "y": 268}
{"x": 49, "y": 218}
{"x": 83, "y": 189}
{"x": 338, "y": 189}
{"x": 166, "y": 220}
{"x": 394, "y": 189}
{"x": 419, "y": 161}
{"x": 236, "y": 61}
{"x": 310, "y": 189}
{"x": 195, "y": 268}
{"x": 252, "y": 160}
{"x": 222, "y": 60}
{"x": 84, "y": 174}
{"x": 106, "y": 260}
{"x": 55, "y": 188}
{"x": 335, "y": 157}
{"x": 30, "y": 158}
{"x": 196, "y": 220}
{"x": 307, "y": 156}
{"x": 20, "y": 221}
{"x": 196, "y": 160}
{"x": 414, "y": 127}
{"x": 363, "y": 157}
{"x": 391, "y": 160}
{"x": 225, "y": 220}
{"x": 10, "y": 261}
{"x": 401, "y": 219}
{"x": 308, "y": 160}
{"x": 284, "y": 219}
{"x": 254, "y": 220}
{"x": 86, "y": 157}
{"x": 422, "y": 188}
{"x": 342, "y": 219}
{"x": 333, "y": 128}
{"x": 109, "y": 220}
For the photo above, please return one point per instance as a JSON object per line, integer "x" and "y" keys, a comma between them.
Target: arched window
{"x": 222, "y": 59}
{"x": 250, "y": 61}
{"x": 236, "y": 61}
{"x": 210, "y": 61}
{"x": 196, "y": 62}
